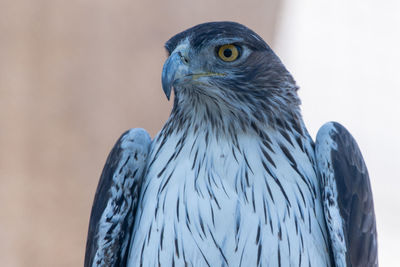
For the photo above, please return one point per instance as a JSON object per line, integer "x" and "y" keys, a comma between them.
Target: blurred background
{"x": 75, "y": 74}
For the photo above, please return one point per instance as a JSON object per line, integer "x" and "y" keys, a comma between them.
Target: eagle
{"x": 233, "y": 178}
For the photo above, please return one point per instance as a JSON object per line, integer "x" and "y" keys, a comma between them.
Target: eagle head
{"x": 225, "y": 71}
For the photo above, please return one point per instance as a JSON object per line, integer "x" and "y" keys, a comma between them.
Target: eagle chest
{"x": 219, "y": 203}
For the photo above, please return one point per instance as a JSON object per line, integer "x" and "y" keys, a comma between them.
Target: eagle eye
{"x": 228, "y": 52}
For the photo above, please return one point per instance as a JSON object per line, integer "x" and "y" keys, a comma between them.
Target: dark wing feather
{"x": 115, "y": 202}
{"x": 347, "y": 196}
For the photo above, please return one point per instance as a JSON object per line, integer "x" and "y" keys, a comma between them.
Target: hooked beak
{"x": 174, "y": 68}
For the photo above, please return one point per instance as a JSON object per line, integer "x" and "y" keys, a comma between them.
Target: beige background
{"x": 75, "y": 74}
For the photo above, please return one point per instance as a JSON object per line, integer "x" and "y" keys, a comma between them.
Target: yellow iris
{"x": 228, "y": 52}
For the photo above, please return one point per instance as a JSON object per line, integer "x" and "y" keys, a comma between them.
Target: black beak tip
{"x": 168, "y": 95}
{"x": 167, "y": 89}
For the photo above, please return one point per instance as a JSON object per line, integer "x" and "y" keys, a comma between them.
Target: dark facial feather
{"x": 202, "y": 34}
{"x": 257, "y": 89}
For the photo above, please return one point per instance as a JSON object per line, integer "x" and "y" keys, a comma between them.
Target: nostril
{"x": 183, "y": 58}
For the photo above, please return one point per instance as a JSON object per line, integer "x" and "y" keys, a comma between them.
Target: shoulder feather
{"x": 115, "y": 202}
{"x": 347, "y": 196}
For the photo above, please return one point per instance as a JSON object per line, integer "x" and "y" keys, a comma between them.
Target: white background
{"x": 345, "y": 57}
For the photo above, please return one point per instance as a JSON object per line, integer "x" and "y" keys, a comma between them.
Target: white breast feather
{"x": 207, "y": 213}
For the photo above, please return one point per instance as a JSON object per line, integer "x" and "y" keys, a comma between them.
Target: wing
{"x": 115, "y": 202}
{"x": 347, "y": 196}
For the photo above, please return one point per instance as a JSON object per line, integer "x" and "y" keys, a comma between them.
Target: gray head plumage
{"x": 254, "y": 88}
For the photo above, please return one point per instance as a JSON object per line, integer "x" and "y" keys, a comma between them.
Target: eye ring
{"x": 228, "y": 52}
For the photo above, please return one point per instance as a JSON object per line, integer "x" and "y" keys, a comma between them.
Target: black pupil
{"x": 228, "y": 52}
